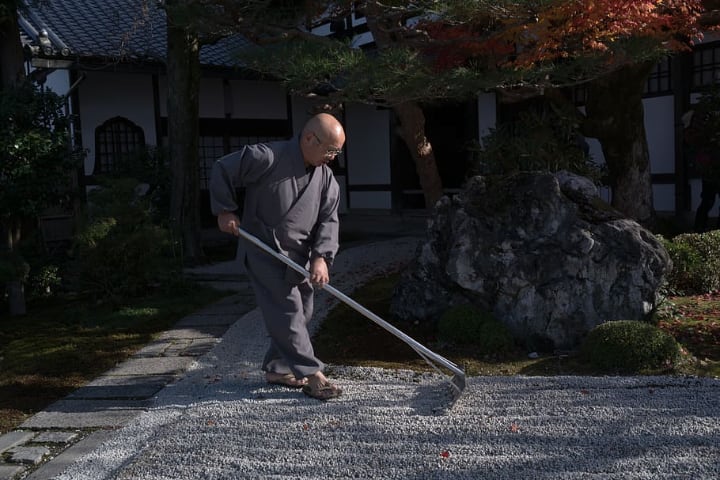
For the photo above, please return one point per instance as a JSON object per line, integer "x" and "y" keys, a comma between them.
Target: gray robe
{"x": 294, "y": 211}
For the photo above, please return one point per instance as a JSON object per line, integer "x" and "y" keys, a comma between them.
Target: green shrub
{"x": 120, "y": 251}
{"x": 696, "y": 263}
{"x": 45, "y": 281}
{"x": 543, "y": 138}
{"x": 629, "y": 346}
{"x": 466, "y": 325}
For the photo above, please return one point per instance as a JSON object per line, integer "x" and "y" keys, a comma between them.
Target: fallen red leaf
{"x": 445, "y": 454}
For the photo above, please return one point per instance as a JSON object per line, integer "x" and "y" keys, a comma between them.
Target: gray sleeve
{"x": 237, "y": 169}
{"x": 327, "y": 228}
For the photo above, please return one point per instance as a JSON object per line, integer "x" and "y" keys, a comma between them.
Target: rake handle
{"x": 414, "y": 344}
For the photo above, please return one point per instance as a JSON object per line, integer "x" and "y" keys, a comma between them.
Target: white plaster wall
{"x": 367, "y": 131}
{"x": 107, "y": 95}
{"x": 664, "y": 198}
{"x": 660, "y": 131}
{"x": 211, "y": 98}
{"x": 58, "y": 81}
{"x": 301, "y": 108}
{"x": 263, "y": 100}
{"x": 241, "y": 99}
{"x": 371, "y": 200}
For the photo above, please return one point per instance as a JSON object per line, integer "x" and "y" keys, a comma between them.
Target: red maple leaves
{"x": 518, "y": 37}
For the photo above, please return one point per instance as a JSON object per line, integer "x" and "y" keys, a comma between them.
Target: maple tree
{"x": 428, "y": 50}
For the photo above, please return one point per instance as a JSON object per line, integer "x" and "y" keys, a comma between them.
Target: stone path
{"x": 79, "y": 422}
{"x": 47, "y": 443}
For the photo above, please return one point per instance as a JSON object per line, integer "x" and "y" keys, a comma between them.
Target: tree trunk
{"x": 410, "y": 115}
{"x": 615, "y": 116}
{"x": 183, "y": 70}
{"x": 412, "y": 131}
{"x": 12, "y": 73}
{"x": 15, "y": 290}
{"x": 16, "y": 298}
{"x": 11, "y": 52}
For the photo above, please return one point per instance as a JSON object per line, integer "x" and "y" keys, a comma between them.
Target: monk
{"x": 291, "y": 204}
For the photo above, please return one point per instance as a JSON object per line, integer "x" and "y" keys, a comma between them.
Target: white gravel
{"x": 223, "y": 422}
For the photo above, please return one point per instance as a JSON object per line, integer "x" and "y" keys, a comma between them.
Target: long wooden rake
{"x": 457, "y": 381}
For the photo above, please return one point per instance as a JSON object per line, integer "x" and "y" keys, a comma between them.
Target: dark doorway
{"x": 451, "y": 128}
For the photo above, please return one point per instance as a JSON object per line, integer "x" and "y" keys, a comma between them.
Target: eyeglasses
{"x": 330, "y": 152}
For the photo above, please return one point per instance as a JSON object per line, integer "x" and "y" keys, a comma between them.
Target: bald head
{"x": 326, "y": 125}
{"x": 322, "y": 137}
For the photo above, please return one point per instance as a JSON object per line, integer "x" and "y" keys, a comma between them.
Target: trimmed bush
{"x": 121, "y": 252}
{"x": 629, "y": 346}
{"x": 539, "y": 139}
{"x": 45, "y": 281}
{"x": 696, "y": 263}
{"x": 467, "y": 325}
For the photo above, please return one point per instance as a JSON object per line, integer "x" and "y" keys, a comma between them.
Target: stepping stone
{"x": 8, "y": 472}
{"x": 127, "y": 387}
{"x": 28, "y": 455}
{"x": 13, "y": 439}
{"x": 55, "y": 437}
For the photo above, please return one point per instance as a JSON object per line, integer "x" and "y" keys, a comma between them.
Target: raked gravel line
{"x": 223, "y": 422}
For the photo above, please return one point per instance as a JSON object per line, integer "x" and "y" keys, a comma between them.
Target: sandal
{"x": 322, "y": 391}
{"x": 286, "y": 380}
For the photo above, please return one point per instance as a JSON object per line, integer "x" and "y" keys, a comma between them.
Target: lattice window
{"x": 659, "y": 80}
{"x": 210, "y": 149}
{"x": 706, "y": 66}
{"x": 115, "y": 139}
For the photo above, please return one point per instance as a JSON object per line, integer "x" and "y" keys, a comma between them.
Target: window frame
{"x": 126, "y": 137}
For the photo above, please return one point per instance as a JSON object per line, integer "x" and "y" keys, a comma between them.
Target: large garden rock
{"x": 542, "y": 252}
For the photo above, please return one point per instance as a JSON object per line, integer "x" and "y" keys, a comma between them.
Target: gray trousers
{"x": 287, "y": 309}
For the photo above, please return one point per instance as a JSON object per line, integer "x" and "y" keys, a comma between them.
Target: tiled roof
{"x": 132, "y": 30}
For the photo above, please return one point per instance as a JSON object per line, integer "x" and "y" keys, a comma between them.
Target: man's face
{"x": 321, "y": 151}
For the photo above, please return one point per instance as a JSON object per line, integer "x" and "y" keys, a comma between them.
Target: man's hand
{"x": 228, "y": 222}
{"x": 319, "y": 272}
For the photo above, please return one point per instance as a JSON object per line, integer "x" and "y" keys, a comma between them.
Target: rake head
{"x": 458, "y": 383}
{"x": 450, "y": 395}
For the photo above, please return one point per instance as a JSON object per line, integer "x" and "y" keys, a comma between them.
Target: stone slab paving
{"x": 210, "y": 331}
{"x": 55, "y": 437}
{"x": 84, "y": 414}
{"x": 29, "y": 455}
{"x": 77, "y": 423}
{"x": 199, "y": 320}
{"x": 54, "y": 468}
{"x": 128, "y": 387}
{"x": 12, "y": 439}
{"x": 8, "y": 472}
{"x": 152, "y": 366}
